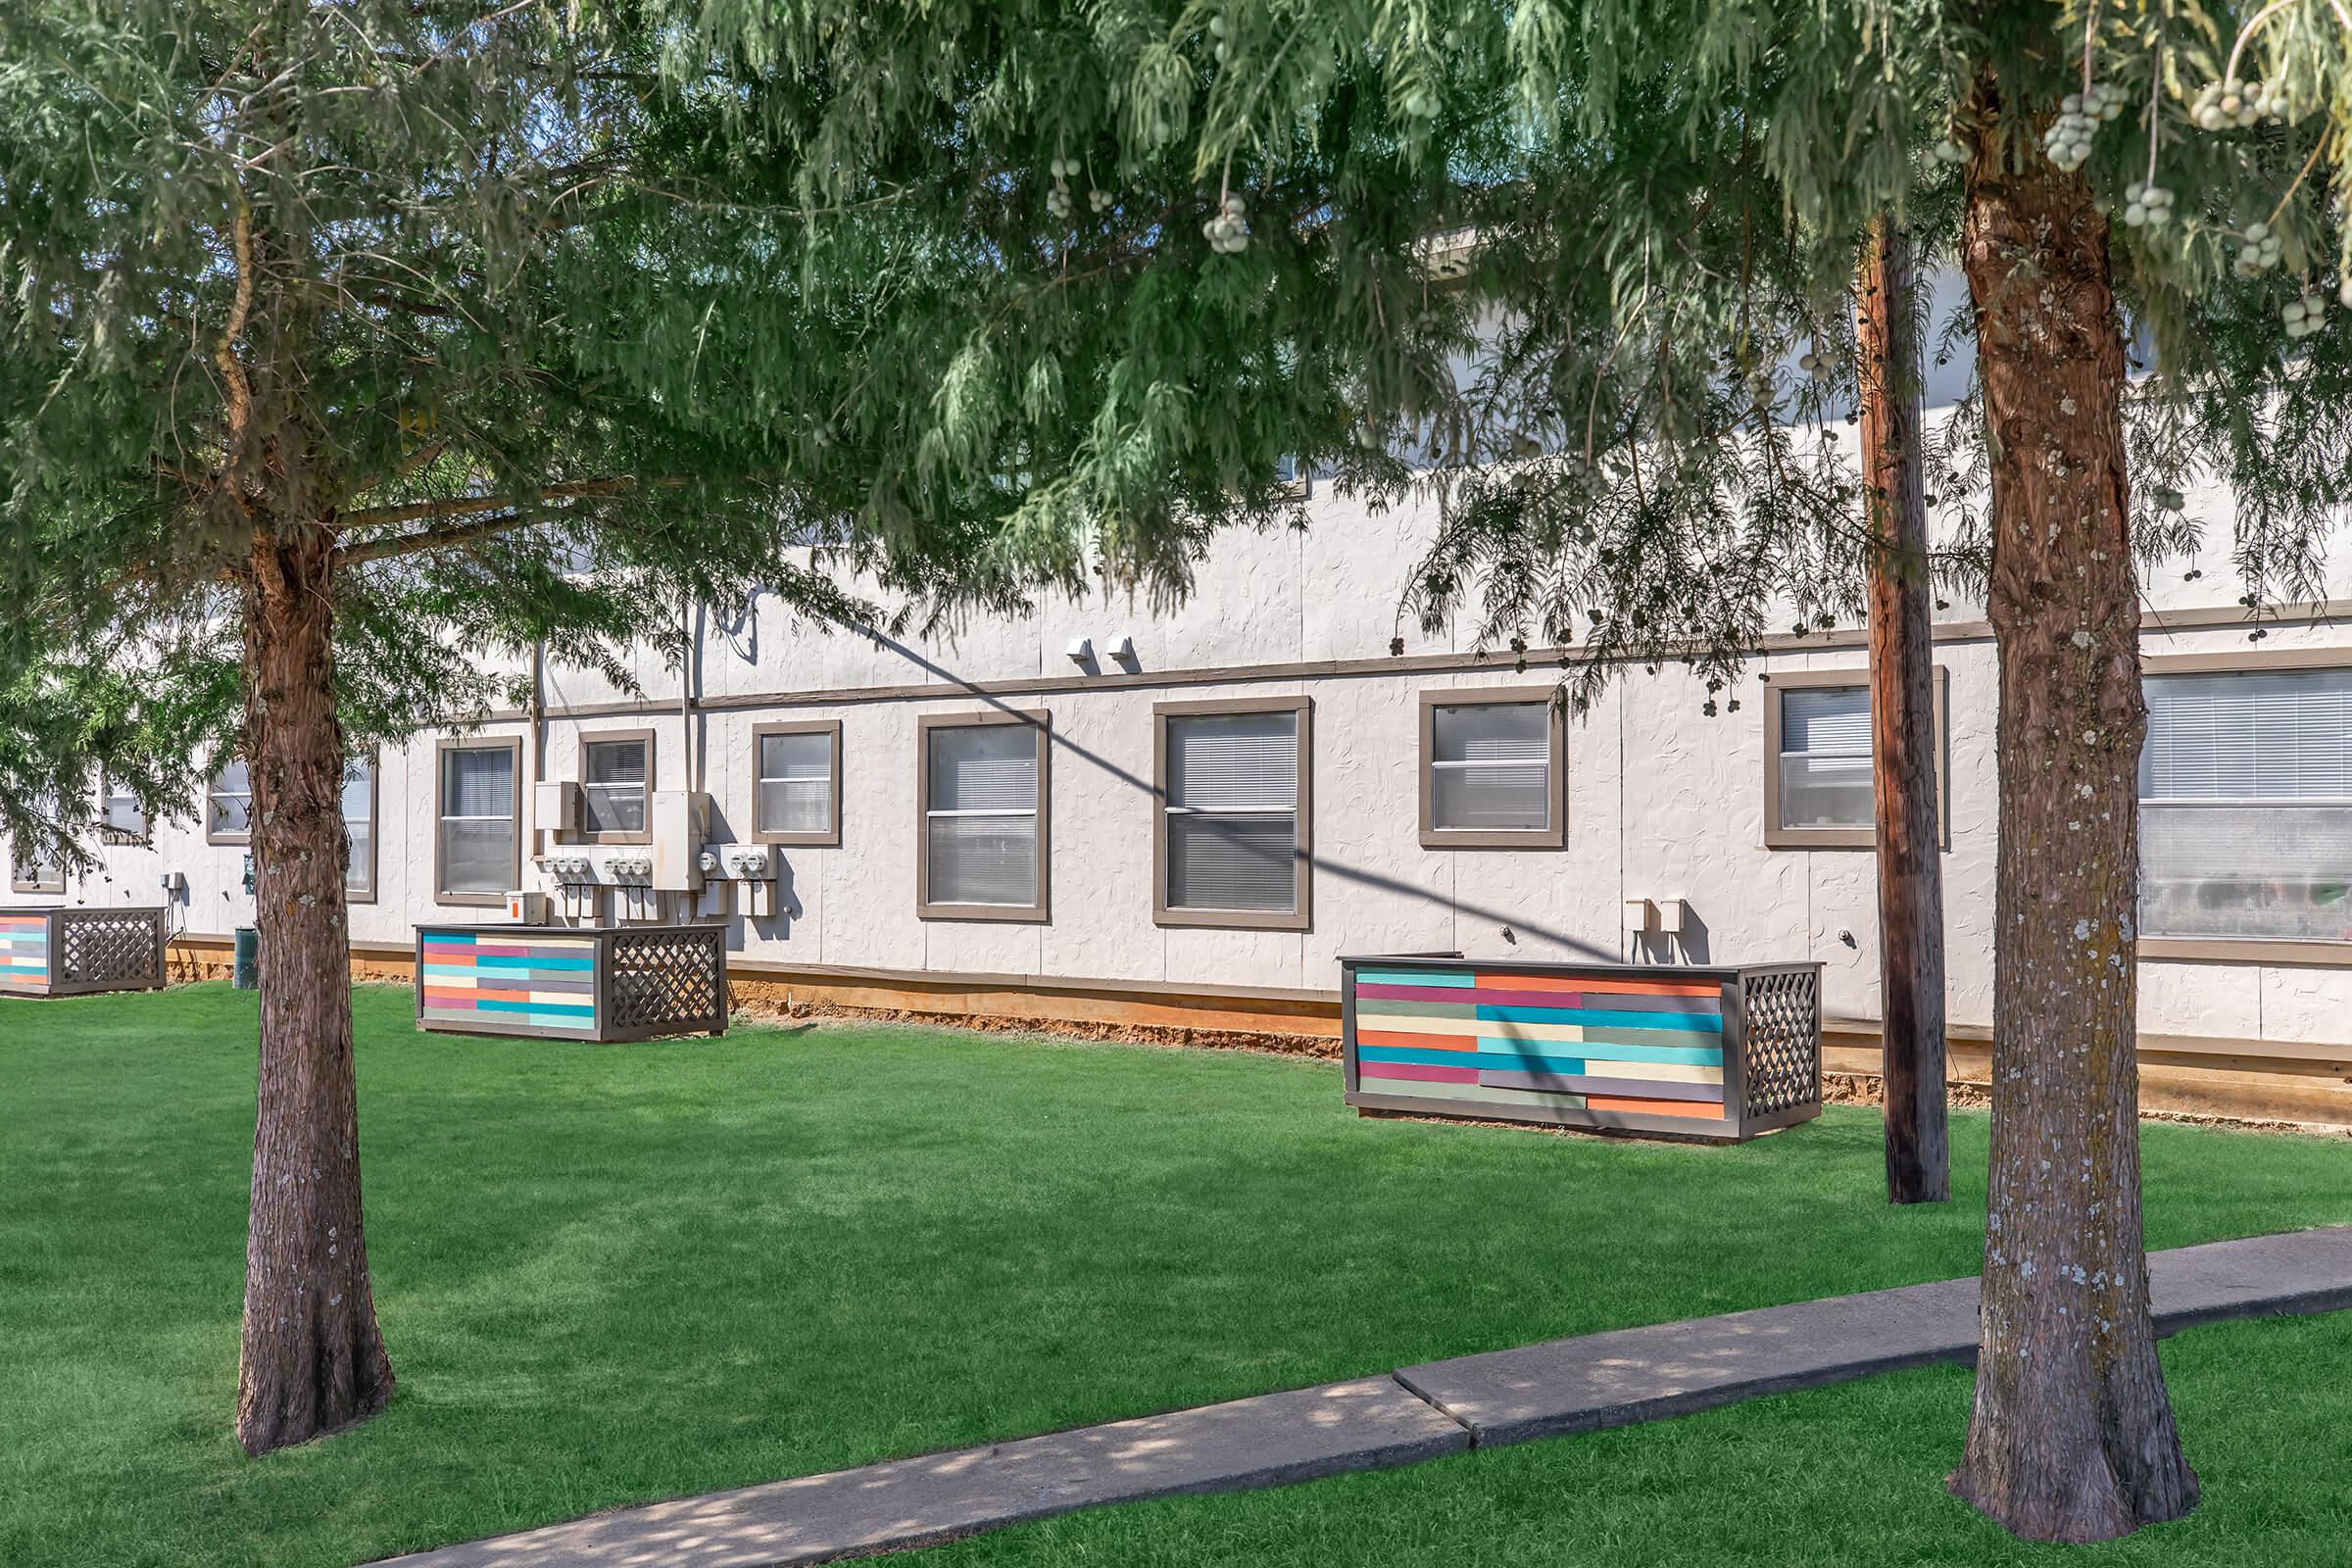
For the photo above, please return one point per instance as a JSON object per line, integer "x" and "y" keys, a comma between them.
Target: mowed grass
{"x": 608, "y": 1274}
{"x": 1848, "y": 1477}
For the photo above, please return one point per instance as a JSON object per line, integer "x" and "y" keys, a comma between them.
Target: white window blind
{"x": 796, "y": 783}
{"x": 612, "y": 786}
{"x": 359, "y": 823}
{"x": 1490, "y": 767}
{"x": 1232, "y": 818}
{"x": 230, "y": 802}
{"x": 2245, "y": 817}
{"x": 1825, "y": 758}
{"x": 478, "y": 819}
{"x": 29, "y": 870}
{"x": 36, "y": 875}
{"x": 119, "y": 811}
{"x": 981, "y": 816}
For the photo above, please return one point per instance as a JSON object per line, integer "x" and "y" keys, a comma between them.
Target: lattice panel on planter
{"x": 563, "y": 982}
{"x": 1783, "y": 1009}
{"x": 66, "y": 952}
{"x": 108, "y": 948}
{"x": 667, "y": 980}
{"x": 1674, "y": 1050}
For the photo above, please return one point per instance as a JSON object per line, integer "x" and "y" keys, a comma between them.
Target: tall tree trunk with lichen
{"x": 312, "y": 1358}
{"x": 1902, "y": 708}
{"x": 2072, "y": 1437}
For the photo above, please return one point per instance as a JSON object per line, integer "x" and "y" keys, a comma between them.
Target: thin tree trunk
{"x": 1902, "y": 708}
{"x": 2072, "y": 1437}
{"x": 312, "y": 1358}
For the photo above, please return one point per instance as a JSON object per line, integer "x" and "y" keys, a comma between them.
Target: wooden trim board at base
{"x": 2248, "y": 1080}
{"x": 1152, "y": 1009}
{"x": 2186, "y": 1075}
{"x": 1108, "y": 1009}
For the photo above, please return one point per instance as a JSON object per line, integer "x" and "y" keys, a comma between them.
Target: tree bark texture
{"x": 2072, "y": 1437}
{"x": 312, "y": 1358}
{"x": 1902, "y": 718}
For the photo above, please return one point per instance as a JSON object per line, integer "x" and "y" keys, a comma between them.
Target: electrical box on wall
{"x": 526, "y": 907}
{"x": 680, "y": 820}
{"x": 744, "y": 872}
{"x": 740, "y": 862}
{"x": 556, "y": 805}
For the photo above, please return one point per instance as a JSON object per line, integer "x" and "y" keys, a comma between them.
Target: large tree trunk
{"x": 312, "y": 1358}
{"x": 2072, "y": 1437}
{"x": 1902, "y": 710}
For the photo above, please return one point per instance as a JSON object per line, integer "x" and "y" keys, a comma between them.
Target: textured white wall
{"x": 1662, "y": 801}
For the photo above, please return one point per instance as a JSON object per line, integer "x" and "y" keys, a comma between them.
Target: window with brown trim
{"x": 477, "y": 840}
{"x": 229, "y": 805}
{"x": 121, "y": 819}
{"x": 1232, "y": 789}
{"x": 983, "y": 795}
{"x": 1494, "y": 767}
{"x": 1818, "y": 776}
{"x": 36, "y": 875}
{"x": 359, "y": 828}
{"x": 2246, "y": 807}
{"x": 617, "y": 783}
{"x": 796, "y": 782}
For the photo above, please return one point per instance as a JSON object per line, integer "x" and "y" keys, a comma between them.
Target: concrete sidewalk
{"x": 1418, "y": 1412}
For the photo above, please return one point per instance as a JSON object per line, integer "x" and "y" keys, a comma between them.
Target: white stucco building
{"x": 1138, "y": 865}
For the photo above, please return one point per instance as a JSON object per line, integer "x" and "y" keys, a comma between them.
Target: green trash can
{"x": 246, "y": 973}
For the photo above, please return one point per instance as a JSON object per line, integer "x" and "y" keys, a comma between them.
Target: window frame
{"x": 513, "y": 746}
{"x": 19, "y": 883}
{"x": 585, "y": 739}
{"x": 214, "y": 835}
{"x": 1554, "y": 833}
{"x": 1041, "y": 912}
{"x": 144, "y": 834}
{"x": 2241, "y": 949}
{"x": 1776, "y": 836}
{"x": 1301, "y": 914}
{"x": 827, "y": 837}
{"x": 375, "y": 796}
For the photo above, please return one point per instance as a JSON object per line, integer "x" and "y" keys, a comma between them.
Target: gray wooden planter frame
{"x": 1771, "y": 1048}
{"x": 128, "y": 956}
{"x": 618, "y": 1017}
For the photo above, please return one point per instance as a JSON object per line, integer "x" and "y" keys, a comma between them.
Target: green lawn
{"x": 616, "y": 1273}
{"x": 1834, "y": 1478}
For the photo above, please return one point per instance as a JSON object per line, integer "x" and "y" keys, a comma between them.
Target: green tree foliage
{"x": 553, "y": 317}
{"x": 531, "y": 324}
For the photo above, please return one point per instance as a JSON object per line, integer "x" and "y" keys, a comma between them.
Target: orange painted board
{"x": 1400, "y": 1037}
{"x": 1633, "y": 988}
{"x": 1691, "y": 1109}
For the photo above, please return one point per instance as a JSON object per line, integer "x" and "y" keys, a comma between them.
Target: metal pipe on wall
{"x": 535, "y": 743}
{"x": 689, "y": 680}
{"x": 684, "y": 905}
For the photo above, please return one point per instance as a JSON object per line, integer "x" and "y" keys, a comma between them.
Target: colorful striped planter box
{"x": 1697, "y": 1053}
{"x": 572, "y": 982}
{"x": 73, "y": 953}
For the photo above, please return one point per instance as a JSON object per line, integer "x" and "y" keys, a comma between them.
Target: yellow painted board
{"x": 1656, "y": 1073}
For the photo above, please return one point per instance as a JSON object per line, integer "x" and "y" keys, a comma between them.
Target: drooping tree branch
{"x": 442, "y": 536}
